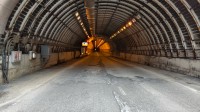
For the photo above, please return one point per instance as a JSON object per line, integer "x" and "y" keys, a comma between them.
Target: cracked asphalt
{"x": 99, "y": 83}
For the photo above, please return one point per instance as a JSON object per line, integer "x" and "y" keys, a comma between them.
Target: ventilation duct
{"x": 90, "y": 12}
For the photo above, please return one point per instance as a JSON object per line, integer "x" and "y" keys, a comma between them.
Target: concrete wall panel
{"x": 25, "y": 66}
{"x": 183, "y": 66}
{"x": 53, "y": 60}
{"x": 28, "y": 66}
{"x": 78, "y": 53}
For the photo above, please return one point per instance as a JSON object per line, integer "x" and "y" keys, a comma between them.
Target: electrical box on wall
{"x": 45, "y": 51}
{"x": 32, "y": 55}
{"x": 16, "y": 56}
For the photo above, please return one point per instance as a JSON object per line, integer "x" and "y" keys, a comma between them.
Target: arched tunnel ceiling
{"x": 168, "y": 28}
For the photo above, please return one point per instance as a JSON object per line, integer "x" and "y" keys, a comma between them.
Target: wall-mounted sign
{"x": 84, "y": 44}
{"x": 32, "y": 55}
{"x": 16, "y": 56}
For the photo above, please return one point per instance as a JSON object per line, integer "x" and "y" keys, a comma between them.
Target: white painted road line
{"x": 123, "y": 105}
{"x": 122, "y": 91}
{"x": 190, "y": 88}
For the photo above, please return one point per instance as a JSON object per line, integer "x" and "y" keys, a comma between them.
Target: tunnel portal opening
{"x": 99, "y": 44}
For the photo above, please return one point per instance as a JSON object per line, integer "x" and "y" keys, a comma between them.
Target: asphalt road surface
{"x": 98, "y": 83}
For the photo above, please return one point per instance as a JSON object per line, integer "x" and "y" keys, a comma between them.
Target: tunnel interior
{"x": 99, "y": 55}
{"x": 159, "y": 28}
{"x": 147, "y": 27}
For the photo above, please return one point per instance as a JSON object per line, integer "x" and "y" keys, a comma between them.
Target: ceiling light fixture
{"x": 124, "y": 27}
{"x": 77, "y": 14}
{"x": 129, "y": 24}
{"x": 81, "y": 23}
{"x": 78, "y": 17}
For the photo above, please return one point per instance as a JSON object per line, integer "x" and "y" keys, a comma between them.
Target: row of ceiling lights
{"x": 129, "y": 24}
{"x": 81, "y": 23}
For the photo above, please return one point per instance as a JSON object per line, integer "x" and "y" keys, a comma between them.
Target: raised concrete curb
{"x": 183, "y": 66}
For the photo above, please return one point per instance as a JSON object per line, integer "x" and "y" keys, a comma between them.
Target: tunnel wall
{"x": 105, "y": 52}
{"x": 183, "y": 66}
{"x": 28, "y": 66}
{"x": 6, "y": 7}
